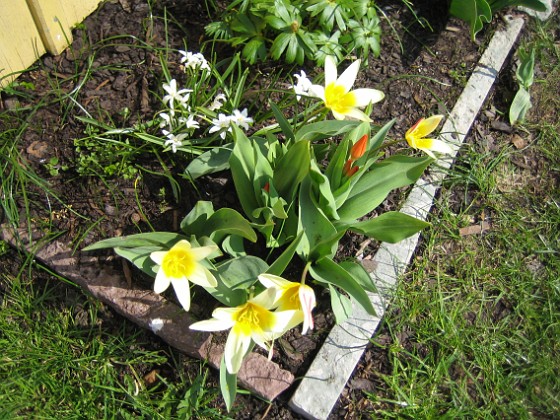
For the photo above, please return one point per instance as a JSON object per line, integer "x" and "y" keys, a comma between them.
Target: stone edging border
{"x": 329, "y": 372}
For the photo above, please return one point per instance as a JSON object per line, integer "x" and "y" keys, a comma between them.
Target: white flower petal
{"x": 348, "y": 77}
{"x": 330, "y": 70}
{"x": 161, "y": 282}
{"x": 234, "y": 352}
{"x": 203, "y": 277}
{"x": 356, "y": 114}
{"x": 202, "y": 252}
{"x": 266, "y": 298}
{"x": 211, "y": 325}
{"x": 183, "y": 292}
{"x": 270, "y": 280}
{"x": 366, "y": 96}
{"x": 157, "y": 256}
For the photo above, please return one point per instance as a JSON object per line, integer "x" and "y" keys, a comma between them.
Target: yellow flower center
{"x": 253, "y": 317}
{"x": 338, "y": 100}
{"x": 178, "y": 263}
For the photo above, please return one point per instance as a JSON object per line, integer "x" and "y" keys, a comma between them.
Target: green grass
{"x": 64, "y": 356}
{"x": 474, "y": 328}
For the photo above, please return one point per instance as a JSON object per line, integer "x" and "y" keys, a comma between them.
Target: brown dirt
{"x": 423, "y": 78}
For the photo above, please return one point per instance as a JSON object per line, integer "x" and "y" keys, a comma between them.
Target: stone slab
{"x": 320, "y": 388}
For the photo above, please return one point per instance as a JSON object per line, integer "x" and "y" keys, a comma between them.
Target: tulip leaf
{"x": 292, "y": 169}
{"x": 520, "y": 106}
{"x": 324, "y": 129}
{"x": 242, "y": 164}
{"x": 280, "y": 264}
{"x": 340, "y": 304}
{"x": 212, "y": 161}
{"x": 140, "y": 257}
{"x": 392, "y": 226}
{"x": 196, "y": 221}
{"x": 315, "y": 226}
{"x": 383, "y": 177}
{"x": 227, "y": 221}
{"x": 163, "y": 240}
{"x": 282, "y": 122}
{"x": 360, "y": 275}
{"x": 327, "y": 271}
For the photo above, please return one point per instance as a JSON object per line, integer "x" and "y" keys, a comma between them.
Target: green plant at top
{"x": 301, "y": 190}
{"x": 298, "y": 30}
{"x": 478, "y": 12}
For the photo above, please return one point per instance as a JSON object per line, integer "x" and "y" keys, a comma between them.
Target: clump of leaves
{"x": 478, "y": 12}
{"x": 296, "y": 30}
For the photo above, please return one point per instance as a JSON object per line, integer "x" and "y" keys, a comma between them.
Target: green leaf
{"x": 340, "y": 304}
{"x": 324, "y": 129}
{"x": 228, "y": 385}
{"x": 392, "y": 226}
{"x": 280, "y": 264}
{"x": 158, "y": 239}
{"x": 292, "y": 169}
{"x": 475, "y": 12}
{"x": 242, "y": 164}
{"x": 228, "y": 221}
{"x": 140, "y": 257}
{"x": 525, "y": 71}
{"x": 360, "y": 274}
{"x": 196, "y": 221}
{"x": 327, "y": 271}
{"x": 373, "y": 187}
{"x": 282, "y": 122}
{"x": 315, "y": 226}
{"x": 212, "y": 161}
{"x": 520, "y": 105}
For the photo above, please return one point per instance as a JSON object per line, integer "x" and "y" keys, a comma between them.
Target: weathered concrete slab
{"x": 321, "y": 387}
{"x": 147, "y": 309}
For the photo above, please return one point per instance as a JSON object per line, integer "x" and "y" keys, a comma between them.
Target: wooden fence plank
{"x": 20, "y": 41}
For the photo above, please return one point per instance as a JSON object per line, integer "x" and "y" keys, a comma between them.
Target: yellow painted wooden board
{"x": 20, "y": 42}
{"x": 30, "y": 28}
{"x": 56, "y": 18}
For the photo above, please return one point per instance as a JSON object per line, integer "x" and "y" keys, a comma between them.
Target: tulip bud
{"x": 358, "y": 150}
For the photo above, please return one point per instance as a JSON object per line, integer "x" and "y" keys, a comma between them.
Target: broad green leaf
{"x": 340, "y": 304}
{"x": 520, "y": 105}
{"x": 475, "y": 12}
{"x": 227, "y": 221}
{"x": 526, "y": 69}
{"x": 280, "y": 264}
{"x": 322, "y": 191}
{"x": 392, "y": 226}
{"x": 242, "y": 165}
{"x": 383, "y": 177}
{"x": 196, "y": 221}
{"x": 292, "y": 169}
{"x": 234, "y": 246}
{"x": 327, "y": 271}
{"x": 212, "y": 161}
{"x": 360, "y": 274}
{"x": 324, "y": 129}
{"x": 140, "y": 257}
{"x": 159, "y": 239}
{"x": 312, "y": 222}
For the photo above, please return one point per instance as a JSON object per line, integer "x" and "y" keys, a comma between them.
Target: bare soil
{"x": 422, "y": 69}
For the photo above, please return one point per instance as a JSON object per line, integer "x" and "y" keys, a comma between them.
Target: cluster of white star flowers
{"x": 179, "y": 120}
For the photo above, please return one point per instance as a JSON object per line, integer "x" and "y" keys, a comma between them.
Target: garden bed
{"x": 421, "y": 70}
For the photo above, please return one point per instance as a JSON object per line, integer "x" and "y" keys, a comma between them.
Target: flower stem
{"x": 304, "y": 272}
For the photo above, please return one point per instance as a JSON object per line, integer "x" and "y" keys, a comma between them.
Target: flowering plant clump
{"x": 301, "y": 187}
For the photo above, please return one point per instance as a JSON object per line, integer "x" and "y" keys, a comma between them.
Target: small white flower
{"x": 241, "y": 119}
{"x": 189, "y": 122}
{"x": 173, "y": 141}
{"x": 302, "y": 86}
{"x": 181, "y": 96}
{"x": 218, "y": 102}
{"x": 194, "y": 60}
{"x": 221, "y": 124}
{"x": 166, "y": 119}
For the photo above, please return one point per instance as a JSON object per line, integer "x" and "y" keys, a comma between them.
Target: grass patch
{"x": 65, "y": 356}
{"x": 474, "y": 328}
